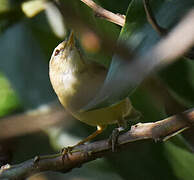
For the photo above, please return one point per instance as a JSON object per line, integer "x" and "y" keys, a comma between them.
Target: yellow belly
{"x": 77, "y": 90}
{"x": 105, "y": 116}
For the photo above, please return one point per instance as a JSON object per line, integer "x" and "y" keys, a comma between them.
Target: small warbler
{"x": 76, "y": 82}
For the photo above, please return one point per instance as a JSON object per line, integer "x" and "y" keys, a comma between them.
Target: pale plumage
{"x": 77, "y": 81}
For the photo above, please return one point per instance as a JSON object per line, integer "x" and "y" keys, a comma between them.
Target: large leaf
{"x": 179, "y": 78}
{"x": 149, "y": 160}
{"x": 145, "y": 160}
{"x": 8, "y": 100}
{"x": 124, "y": 76}
{"x": 25, "y": 66}
{"x": 181, "y": 161}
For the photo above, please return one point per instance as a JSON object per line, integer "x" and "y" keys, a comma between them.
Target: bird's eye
{"x": 57, "y": 52}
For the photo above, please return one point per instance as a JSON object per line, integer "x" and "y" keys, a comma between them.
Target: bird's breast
{"x": 75, "y": 90}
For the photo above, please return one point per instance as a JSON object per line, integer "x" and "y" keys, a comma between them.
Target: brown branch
{"x": 105, "y": 14}
{"x": 160, "y": 130}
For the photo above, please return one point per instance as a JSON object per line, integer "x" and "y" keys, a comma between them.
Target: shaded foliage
{"x": 26, "y": 45}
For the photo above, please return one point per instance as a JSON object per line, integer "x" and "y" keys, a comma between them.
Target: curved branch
{"x": 160, "y": 130}
{"x": 105, "y": 14}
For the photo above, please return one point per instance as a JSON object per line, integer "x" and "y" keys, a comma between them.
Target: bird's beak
{"x": 70, "y": 42}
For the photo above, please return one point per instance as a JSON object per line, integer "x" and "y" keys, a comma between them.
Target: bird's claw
{"x": 113, "y": 139}
{"x": 69, "y": 151}
{"x": 66, "y": 150}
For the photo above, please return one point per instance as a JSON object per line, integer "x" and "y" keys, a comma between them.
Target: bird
{"x": 76, "y": 81}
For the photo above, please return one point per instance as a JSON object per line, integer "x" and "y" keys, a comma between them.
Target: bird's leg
{"x": 69, "y": 149}
{"x": 122, "y": 123}
{"x": 99, "y": 130}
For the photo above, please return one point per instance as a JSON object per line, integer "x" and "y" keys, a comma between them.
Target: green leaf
{"x": 149, "y": 160}
{"x": 179, "y": 77}
{"x": 124, "y": 76}
{"x": 116, "y": 86}
{"x": 8, "y": 101}
{"x": 24, "y": 64}
{"x": 181, "y": 161}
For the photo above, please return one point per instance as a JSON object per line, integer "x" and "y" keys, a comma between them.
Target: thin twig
{"x": 160, "y": 130}
{"x": 160, "y": 30}
{"x": 151, "y": 19}
{"x": 105, "y": 14}
{"x": 76, "y": 22}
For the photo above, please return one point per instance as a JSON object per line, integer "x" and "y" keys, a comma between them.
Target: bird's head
{"x": 66, "y": 57}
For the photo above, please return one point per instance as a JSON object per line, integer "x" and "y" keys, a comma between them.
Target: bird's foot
{"x": 66, "y": 151}
{"x": 114, "y": 138}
